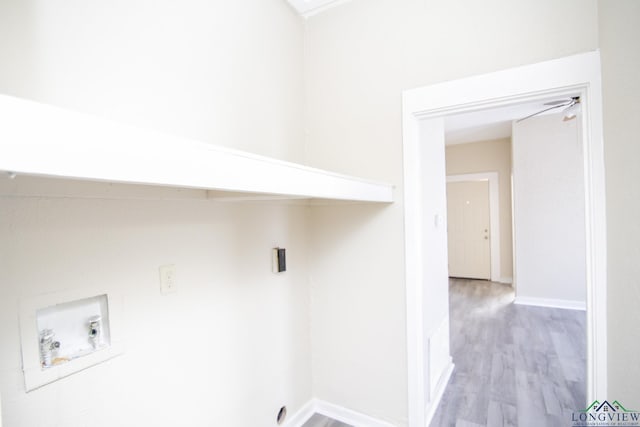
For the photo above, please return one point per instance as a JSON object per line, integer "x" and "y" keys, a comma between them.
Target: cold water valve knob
{"x": 95, "y": 331}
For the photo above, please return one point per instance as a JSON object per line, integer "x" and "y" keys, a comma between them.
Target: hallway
{"x": 515, "y": 365}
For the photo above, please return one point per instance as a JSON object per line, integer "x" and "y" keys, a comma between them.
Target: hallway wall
{"x": 549, "y": 211}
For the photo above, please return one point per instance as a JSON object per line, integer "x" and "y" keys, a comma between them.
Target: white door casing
{"x": 560, "y": 77}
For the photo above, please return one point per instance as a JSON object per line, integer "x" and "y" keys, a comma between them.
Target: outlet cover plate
{"x": 168, "y": 279}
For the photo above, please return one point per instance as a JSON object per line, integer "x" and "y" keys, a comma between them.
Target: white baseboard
{"x": 438, "y": 393}
{"x": 357, "y": 419}
{"x": 508, "y": 280}
{"x": 348, "y": 416}
{"x": 552, "y": 303}
{"x": 302, "y": 416}
{"x": 338, "y": 413}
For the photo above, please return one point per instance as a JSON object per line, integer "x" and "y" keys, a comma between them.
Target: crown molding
{"x": 307, "y": 8}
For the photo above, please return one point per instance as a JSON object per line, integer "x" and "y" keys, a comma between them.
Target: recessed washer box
{"x": 65, "y": 332}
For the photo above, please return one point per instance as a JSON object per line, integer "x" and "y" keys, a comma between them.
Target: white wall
{"x": 225, "y": 72}
{"x": 347, "y": 340}
{"x": 228, "y": 348}
{"x": 359, "y": 58}
{"x": 232, "y": 345}
{"x": 619, "y": 32}
{"x": 548, "y": 210}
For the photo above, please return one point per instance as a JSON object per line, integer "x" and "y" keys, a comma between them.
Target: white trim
{"x": 301, "y": 416}
{"x": 551, "y": 303}
{"x": 42, "y": 140}
{"x": 438, "y": 393}
{"x": 494, "y": 214}
{"x": 338, "y": 413}
{"x": 507, "y": 280}
{"x": 439, "y": 355}
{"x": 307, "y": 8}
{"x": 578, "y": 74}
{"x": 347, "y": 416}
{"x": 416, "y": 358}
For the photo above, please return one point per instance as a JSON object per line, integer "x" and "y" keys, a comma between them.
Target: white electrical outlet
{"x": 168, "y": 279}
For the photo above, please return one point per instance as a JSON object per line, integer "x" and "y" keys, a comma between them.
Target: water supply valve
{"x": 95, "y": 331}
{"x": 47, "y": 347}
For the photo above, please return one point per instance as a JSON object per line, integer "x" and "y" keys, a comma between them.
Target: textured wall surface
{"x": 619, "y": 35}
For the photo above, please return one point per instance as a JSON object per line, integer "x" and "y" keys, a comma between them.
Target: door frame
{"x": 494, "y": 216}
{"x": 426, "y": 106}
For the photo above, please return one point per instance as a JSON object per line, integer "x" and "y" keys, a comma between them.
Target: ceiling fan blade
{"x": 542, "y": 111}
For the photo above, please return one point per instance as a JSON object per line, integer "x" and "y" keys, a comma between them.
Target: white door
{"x": 468, "y": 229}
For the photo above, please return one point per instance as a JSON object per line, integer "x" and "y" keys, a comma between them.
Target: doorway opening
{"x": 498, "y": 346}
{"x": 424, "y": 109}
{"x": 463, "y": 214}
{"x": 468, "y": 229}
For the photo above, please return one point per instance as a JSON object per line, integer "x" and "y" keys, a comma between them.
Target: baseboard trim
{"x": 507, "y": 280}
{"x": 302, "y": 416}
{"x": 348, "y": 416}
{"x": 551, "y": 303}
{"x": 438, "y": 393}
{"x": 357, "y": 419}
{"x": 338, "y": 413}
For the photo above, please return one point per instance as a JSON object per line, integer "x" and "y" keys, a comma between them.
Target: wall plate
{"x": 279, "y": 260}
{"x": 68, "y": 311}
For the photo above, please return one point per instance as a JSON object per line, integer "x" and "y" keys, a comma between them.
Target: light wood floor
{"x": 515, "y": 365}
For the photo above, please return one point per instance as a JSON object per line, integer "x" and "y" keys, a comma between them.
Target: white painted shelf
{"x": 45, "y": 141}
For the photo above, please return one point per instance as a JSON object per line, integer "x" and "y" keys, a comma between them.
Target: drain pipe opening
{"x": 282, "y": 414}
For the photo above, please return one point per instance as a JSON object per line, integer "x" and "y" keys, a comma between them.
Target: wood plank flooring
{"x": 318, "y": 420}
{"x": 515, "y": 365}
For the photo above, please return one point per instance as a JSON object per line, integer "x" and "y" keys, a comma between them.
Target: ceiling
{"x": 489, "y": 124}
{"x": 307, "y": 8}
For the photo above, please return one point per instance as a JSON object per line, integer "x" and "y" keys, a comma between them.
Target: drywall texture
{"x": 229, "y": 73}
{"x": 228, "y": 348}
{"x": 359, "y": 58}
{"x": 489, "y": 156}
{"x": 619, "y": 35}
{"x": 548, "y": 209}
